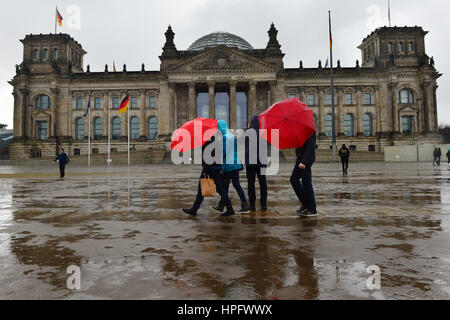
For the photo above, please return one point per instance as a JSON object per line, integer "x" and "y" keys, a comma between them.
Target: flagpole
{"x": 389, "y": 12}
{"x": 56, "y": 17}
{"x": 332, "y": 92}
{"x": 109, "y": 129}
{"x": 89, "y": 136}
{"x": 128, "y": 126}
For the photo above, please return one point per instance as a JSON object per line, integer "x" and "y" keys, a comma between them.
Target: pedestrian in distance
{"x": 212, "y": 169}
{"x": 255, "y": 166}
{"x": 448, "y": 155}
{"x": 306, "y": 156}
{"x": 62, "y": 159}
{"x": 439, "y": 155}
{"x": 435, "y": 156}
{"x": 344, "y": 154}
{"x": 231, "y": 168}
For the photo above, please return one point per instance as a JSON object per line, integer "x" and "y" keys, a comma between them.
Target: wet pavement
{"x": 124, "y": 228}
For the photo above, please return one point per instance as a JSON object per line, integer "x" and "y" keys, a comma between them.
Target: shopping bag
{"x": 208, "y": 186}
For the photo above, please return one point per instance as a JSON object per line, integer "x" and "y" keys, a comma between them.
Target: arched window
{"x": 400, "y": 47}
{"x": 367, "y": 125}
{"x": 134, "y": 128}
{"x": 316, "y": 123}
{"x": 98, "y": 128}
{"x": 329, "y": 125}
{"x": 153, "y": 128}
{"x": 43, "y": 102}
{"x": 56, "y": 54}
{"x": 390, "y": 47}
{"x": 116, "y": 128}
{"x": 45, "y": 53}
{"x": 349, "y": 125}
{"x": 79, "y": 129}
{"x": 406, "y": 96}
{"x": 36, "y": 54}
{"x": 411, "y": 47}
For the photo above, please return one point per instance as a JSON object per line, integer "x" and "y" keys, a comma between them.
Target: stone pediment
{"x": 409, "y": 108}
{"x": 41, "y": 114}
{"x": 221, "y": 58}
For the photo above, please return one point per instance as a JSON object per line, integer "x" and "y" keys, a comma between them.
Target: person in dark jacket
{"x": 448, "y": 155}
{"x": 253, "y": 166}
{"x": 62, "y": 159}
{"x": 439, "y": 155}
{"x": 344, "y": 154}
{"x": 435, "y": 156}
{"x": 213, "y": 170}
{"x": 231, "y": 168}
{"x": 306, "y": 156}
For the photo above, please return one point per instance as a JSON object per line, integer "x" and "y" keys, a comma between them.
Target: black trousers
{"x": 344, "y": 165}
{"x": 215, "y": 175}
{"x": 62, "y": 169}
{"x": 253, "y": 172}
{"x": 304, "y": 189}
{"x": 233, "y": 177}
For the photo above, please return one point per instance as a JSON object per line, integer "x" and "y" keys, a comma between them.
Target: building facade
{"x": 388, "y": 99}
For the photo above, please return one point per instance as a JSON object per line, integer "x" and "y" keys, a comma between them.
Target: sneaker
{"x": 308, "y": 213}
{"x": 302, "y": 209}
{"x": 244, "y": 208}
{"x": 228, "y": 213}
{"x": 190, "y": 212}
{"x": 219, "y": 208}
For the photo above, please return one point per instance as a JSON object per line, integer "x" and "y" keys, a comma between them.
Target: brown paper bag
{"x": 208, "y": 186}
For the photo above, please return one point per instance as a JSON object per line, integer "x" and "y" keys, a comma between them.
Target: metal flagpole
{"x": 389, "y": 12}
{"x": 332, "y": 92}
{"x": 128, "y": 126}
{"x": 89, "y": 135}
{"x": 108, "y": 161}
{"x": 56, "y": 17}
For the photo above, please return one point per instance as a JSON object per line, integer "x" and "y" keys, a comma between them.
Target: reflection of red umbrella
{"x": 293, "y": 119}
{"x": 193, "y": 134}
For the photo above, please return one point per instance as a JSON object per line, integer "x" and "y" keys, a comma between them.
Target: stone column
{"x": 55, "y": 109}
{"x": 359, "y": 125}
{"x": 251, "y": 100}
{"x": 106, "y": 120}
{"x": 272, "y": 93}
{"x": 233, "y": 111}
{"x": 434, "y": 92}
{"x": 22, "y": 116}
{"x": 192, "y": 104}
{"x": 17, "y": 119}
{"x": 395, "y": 117}
{"x": 142, "y": 115}
{"x": 429, "y": 107}
{"x": 212, "y": 99}
{"x": 172, "y": 106}
{"x": 340, "y": 112}
{"x": 302, "y": 96}
{"x": 321, "y": 101}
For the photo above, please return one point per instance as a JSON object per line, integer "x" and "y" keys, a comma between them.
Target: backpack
{"x": 67, "y": 159}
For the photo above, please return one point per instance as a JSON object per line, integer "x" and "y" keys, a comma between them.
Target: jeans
{"x": 62, "y": 169}
{"x": 304, "y": 190}
{"x": 214, "y": 173}
{"x": 253, "y": 172}
{"x": 344, "y": 165}
{"x": 233, "y": 176}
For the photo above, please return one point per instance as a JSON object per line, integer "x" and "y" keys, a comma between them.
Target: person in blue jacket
{"x": 62, "y": 159}
{"x": 231, "y": 167}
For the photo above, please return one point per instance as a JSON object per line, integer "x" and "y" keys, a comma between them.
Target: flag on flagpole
{"x": 88, "y": 107}
{"x": 326, "y": 63}
{"x": 114, "y": 66}
{"x": 124, "y": 105}
{"x": 59, "y": 18}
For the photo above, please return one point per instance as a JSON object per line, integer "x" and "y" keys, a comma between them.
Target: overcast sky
{"x": 132, "y": 31}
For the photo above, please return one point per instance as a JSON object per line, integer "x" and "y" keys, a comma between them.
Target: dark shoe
{"x": 302, "y": 209}
{"x": 219, "y": 208}
{"x": 190, "y": 212}
{"x": 244, "y": 208}
{"x": 263, "y": 207}
{"x": 308, "y": 213}
{"x": 252, "y": 208}
{"x": 228, "y": 213}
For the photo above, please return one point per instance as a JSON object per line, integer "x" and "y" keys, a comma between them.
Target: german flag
{"x": 124, "y": 105}
{"x": 59, "y": 18}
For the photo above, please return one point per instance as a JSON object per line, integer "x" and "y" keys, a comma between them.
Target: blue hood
{"x": 222, "y": 126}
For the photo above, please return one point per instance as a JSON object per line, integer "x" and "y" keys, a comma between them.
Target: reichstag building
{"x": 387, "y": 98}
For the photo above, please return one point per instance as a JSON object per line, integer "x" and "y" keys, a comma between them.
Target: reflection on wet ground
{"x": 124, "y": 228}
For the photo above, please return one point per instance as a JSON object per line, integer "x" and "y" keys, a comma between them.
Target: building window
{"x": 115, "y": 102}
{"x": 76, "y": 152}
{"x": 311, "y": 99}
{"x": 349, "y": 125}
{"x": 291, "y": 95}
{"x": 56, "y": 54}
{"x": 316, "y": 124}
{"x": 116, "y": 128}
{"x": 134, "y": 128}
{"x": 390, "y": 47}
{"x": 42, "y": 127}
{"x": 222, "y": 104}
{"x": 98, "y": 128}
{"x": 407, "y": 124}
{"x": 203, "y": 105}
{"x": 367, "y": 99}
{"x": 36, "y": 54}
{"x": 79, "y": 103}
{"x": 42, "y": 102}
{"x": 329, "y": 99}
{"x": 406, "y": 96}
{"x": 400, "y": 47}
{"x": 79, "y": 129}
{"x": 152, "y": 102}
{"x": 367, "y": 125}
{"x": 371, "y": 148}
{"x": 134, "y": 103}
{"x": 45, "y": 53}
{"x": 411, "y": 47}
{"x": 153, "y": 128}
{"x": 348, "y": 99}
{"x": 241, "y": 110}
{"x": 329, "y": 125}
{"x": 97, "y": 103}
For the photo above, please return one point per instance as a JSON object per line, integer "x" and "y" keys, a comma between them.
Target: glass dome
{"x": 220, "y": 38}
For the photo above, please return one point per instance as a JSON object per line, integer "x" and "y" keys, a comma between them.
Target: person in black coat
{"x": 62, "y": 159}
{"x": 306, "y": 156}
{"x": 214, "y": 171}
{"x": 344, "y": 154}
{"x": 254, "y": 165}
{"x": 448, "y": 155}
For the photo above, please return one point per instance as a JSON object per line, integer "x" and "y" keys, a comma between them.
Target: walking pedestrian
{"x": 435, "y": 156}
{"x": 306, "y": 156}
{"x": 212, "y": 169}
{"x": 439, "y": 155}
{"x": 62, "y": 159}
{"x": 254, "y": 165}
{"x": 231, "y": 168}
{"x": 448, "y": 155}
{"x": 344, "y": 154}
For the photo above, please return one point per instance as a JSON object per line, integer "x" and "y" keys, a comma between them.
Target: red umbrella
{"x": 193, "y": 134}
{"x": 293, "y": 119}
